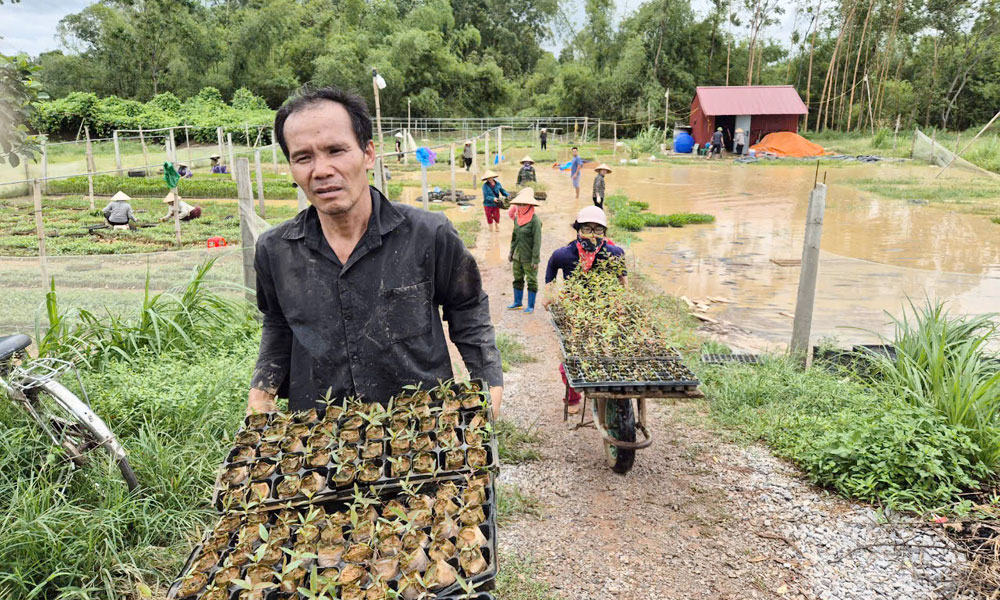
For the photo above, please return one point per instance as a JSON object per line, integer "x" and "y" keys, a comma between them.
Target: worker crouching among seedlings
{"x": 525, "y": 248}
{"x": 590, "y": 250}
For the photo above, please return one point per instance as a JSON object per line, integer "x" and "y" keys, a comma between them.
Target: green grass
{"x": 937, "y": 191}
{"x": 512, "y": 351}
{"x": 626, "y": 215}
{"x": 846, "y": 436}
{"x": 512, "y": 503}
{"x": 985, "y": 152}
{"x": 87, "y": 538}
{"x": 516, "y": 445}
{"x": 468, "y": 230}
{"x": 516, "y": 581}
{"x": 995, "y": 220}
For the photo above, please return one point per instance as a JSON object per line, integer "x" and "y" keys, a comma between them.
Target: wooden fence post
{"x": 260, "y": 183}
{"x": 246, "y": 134}
{"x": 172, "y": 155}
{"x": 177, "y": 216}
{"x": 36, "y": 193}
{"x": 145, "y": 151}
{"x": 45, "y": 165}
{"x": 244, "y": 191}
{"x": 499, "y": 146}
{"x": 486, "y": 152}
{"x": 118, "y": 152}
{"x": 453, "y": 185}
{"x": 423, "y": 185}
{"x": 474, "y": 168}
{"x": 232, "y": 163}
{"x": 90, "y": 169}
{"x": 802, "y": 324}
{"x": 303, "y": 201}
{"x": 218, "y": 133}
{"x": 274, "y": 150}
{"x": 598, "y": 133}
{"x": 614, "y": 153}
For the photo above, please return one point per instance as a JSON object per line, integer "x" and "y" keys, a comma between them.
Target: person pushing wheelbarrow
{"x": 590, "y": 249}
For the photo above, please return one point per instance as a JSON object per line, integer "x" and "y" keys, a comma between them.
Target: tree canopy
{"x": 857, "y": 63}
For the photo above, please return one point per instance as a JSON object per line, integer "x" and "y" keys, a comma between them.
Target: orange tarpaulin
{"x": 786, "y": 143}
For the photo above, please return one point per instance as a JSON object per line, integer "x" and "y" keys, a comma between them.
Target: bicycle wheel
{"x": 75, "y": 427}
{"x": 619, "y": 418}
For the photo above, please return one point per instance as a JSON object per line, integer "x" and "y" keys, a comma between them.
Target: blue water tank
{"x": 683, "y": 143}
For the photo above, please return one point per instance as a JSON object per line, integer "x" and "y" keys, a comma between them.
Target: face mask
{"x": 590, "y": 242}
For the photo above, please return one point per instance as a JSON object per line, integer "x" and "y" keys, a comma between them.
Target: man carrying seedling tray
{"x": 352, "y": 290}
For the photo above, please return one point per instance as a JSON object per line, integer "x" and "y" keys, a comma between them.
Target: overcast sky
{"x": 30, "y": 25}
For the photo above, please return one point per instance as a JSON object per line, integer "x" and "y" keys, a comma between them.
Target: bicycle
{"x": 66, "y": 419}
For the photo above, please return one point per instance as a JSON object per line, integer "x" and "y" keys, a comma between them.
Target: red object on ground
{"x": 786, "y": 143}
{"x": 572, "y": 396}
{"x": 217, "y": 242}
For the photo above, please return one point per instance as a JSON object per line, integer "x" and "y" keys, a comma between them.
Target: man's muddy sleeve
{"x": 274, "y": 358}
{"x": 459, "y": 290}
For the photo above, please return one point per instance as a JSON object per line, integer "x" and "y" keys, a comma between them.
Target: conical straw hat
{"x": 603, "y": 166}
{"x": 525, "y": 196}
{"x": 487, "y": 175}
{"x": 526, "y": 159}
{"x": 121, "y": 196}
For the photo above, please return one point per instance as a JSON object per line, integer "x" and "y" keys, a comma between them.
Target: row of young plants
{"x": 303, "y": 456}
{"x": 629, "y": 215}
{"x": 430, "y": 539}
{"x": 214, "y": 186}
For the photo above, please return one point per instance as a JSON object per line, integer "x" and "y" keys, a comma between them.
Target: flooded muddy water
{"x": 875, "y": 252}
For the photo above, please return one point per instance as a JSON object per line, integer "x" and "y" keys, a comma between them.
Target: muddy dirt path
{"x": 665, "y": 530}
{"x": 696, "y": 517}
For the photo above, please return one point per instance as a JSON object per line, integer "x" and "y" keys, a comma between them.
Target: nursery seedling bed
{"x": 640, "y": 375}
{"x": 320, "y": 455}
{"x": 353, "y": 540}
{"x": 720, "y": 359}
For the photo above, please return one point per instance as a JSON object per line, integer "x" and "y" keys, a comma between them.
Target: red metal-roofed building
{"x": 757, "y": 109}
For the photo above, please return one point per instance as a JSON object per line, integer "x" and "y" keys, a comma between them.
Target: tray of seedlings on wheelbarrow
{"x": 647, "y": 375}
{"x": 321, "y": 454}
{"x": 436, "y": 539}
{"x": 575, "y": 344}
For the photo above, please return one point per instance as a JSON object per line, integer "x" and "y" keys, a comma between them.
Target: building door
{"x": 728, "y": 125}
{"x": 743, "y": 122}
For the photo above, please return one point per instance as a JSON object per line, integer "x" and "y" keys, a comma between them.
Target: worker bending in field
{"x": 217, "y": 167}
{"x": 118, "y": 212}
{"x": 185, "y": 211}
{"x": 591, "y": 249}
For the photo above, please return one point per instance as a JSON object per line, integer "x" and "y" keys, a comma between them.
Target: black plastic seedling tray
{"x": 720, "y": 359}
{"x": 228, "y": 496}
{"x": 611, "y": 377}
{"x": 209, "y": 556}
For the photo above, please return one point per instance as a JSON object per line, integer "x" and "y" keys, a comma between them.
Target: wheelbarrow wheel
{"x": 619, "y": 417}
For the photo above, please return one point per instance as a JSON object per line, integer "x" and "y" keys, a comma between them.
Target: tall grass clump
{"x": 942, "y": 363}
{"x": 849, "y": 436}
{"x": 186, "y": 320}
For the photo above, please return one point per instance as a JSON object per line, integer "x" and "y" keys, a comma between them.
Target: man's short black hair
{"x": 575, "y": 148}
{"x": 354, "y": 104}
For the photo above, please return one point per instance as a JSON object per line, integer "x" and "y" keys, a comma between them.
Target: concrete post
{"x": 43, "y": 266}
{"x": 232, "y": 163}
{"x": 260, "y": 183}
{"x": 118, "y": 152}
{"x": 90, "y": 169}
{"x": 453, "y": 185}
{"x": 802, "y": 325}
